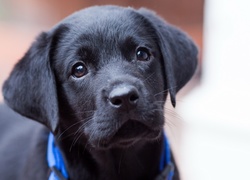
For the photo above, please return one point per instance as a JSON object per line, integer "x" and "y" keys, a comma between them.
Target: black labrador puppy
{"x": 97, "y": 83}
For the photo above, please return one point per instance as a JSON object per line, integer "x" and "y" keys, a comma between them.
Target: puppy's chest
{"x": 124, "y": 168}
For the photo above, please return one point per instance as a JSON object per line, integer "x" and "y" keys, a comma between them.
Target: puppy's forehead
{"x": 99, "y": 14}
{"x": 107, "y": 21}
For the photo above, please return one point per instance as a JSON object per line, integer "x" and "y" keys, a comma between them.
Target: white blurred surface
{"x": 216, "y": 140}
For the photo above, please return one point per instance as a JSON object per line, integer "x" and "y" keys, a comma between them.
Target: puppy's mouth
{"x": 130, "y": 133}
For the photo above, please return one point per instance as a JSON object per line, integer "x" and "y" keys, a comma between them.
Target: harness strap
{"x": 59, "y": 172}
{"x": 167, "y": 173}
{"x": 166, "y": 166}
{"x": 55, "y": 161}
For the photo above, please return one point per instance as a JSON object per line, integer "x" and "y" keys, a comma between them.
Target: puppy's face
{"x": 101, "y": 76}
{"x": 109, "y": 74}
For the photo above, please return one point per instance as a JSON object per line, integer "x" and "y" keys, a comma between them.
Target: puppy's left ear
{"x": 30, "y": 89}
{"x": 179, "y": 53}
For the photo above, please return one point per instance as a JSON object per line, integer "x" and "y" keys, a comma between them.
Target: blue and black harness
{"x": 59, "y": 172}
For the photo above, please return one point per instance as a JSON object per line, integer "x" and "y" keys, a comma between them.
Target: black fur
{"x": 109, "y": 122}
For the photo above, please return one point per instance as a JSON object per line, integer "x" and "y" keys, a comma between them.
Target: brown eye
{"x": 79, "y": 70}
{"x": 142, "y": 54}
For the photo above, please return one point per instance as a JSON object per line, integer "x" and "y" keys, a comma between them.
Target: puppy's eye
{"x": 79, "y": 70}
{"x": 142, "y": 54}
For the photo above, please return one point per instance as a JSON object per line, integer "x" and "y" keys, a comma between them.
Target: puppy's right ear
{"x": 31, "y": 88}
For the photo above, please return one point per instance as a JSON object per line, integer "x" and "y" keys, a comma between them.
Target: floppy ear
{"x": 179, "y": 53}
{"x": 31, "y": 88}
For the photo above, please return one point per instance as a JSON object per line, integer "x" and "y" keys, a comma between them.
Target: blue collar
{"x": 166, "y": 165}
{"x": 59, "y": 172}
{"x": 55, "y": 161}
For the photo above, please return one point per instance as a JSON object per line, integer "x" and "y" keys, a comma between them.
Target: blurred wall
{"x": 49, "y": 12}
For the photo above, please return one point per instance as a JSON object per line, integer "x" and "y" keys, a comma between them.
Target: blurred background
{"x": 210, "y": 128}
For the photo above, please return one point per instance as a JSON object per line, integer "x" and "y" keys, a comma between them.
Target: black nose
{"x": 124, "y": 97}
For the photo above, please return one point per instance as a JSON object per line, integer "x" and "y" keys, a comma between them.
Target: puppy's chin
{"x": 129, "y": 134}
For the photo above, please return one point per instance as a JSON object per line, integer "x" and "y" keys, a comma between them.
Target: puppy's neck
{"x": 140, "y": 161}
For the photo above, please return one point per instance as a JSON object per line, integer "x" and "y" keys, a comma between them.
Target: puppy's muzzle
{"x": 123, "y": 97}
{"x": 125, "y": 113}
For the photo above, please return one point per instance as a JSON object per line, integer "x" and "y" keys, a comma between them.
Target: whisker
{"x": 147, "y": 78}
{"x": 79, "y": 133}
{"x": 164, "y": 91}
{"x": 69, "y": 128}
{"x": 84, "y": 112}
{"x": 161, "y": 92}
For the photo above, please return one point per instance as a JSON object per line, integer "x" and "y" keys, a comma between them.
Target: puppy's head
{"x": 102, "y": 76}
